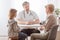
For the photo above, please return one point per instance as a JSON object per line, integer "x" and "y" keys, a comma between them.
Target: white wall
{"x": 58, "y": 6}
{"x": 58, "y": 3}
{"x": 4, "y": 7}
{"x": 35, "y": 5}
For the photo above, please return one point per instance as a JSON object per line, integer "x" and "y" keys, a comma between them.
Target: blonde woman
{"x": 49, "y": 23}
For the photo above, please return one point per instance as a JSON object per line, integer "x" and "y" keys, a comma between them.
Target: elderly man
{"x": 51, "y": 20}
{"x": 27, "y": 17}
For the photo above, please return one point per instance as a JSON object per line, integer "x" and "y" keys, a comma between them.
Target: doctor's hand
{"x": 30, "y": 22}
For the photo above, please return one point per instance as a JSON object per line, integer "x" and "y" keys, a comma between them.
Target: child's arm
{"x": 15, "y": 27}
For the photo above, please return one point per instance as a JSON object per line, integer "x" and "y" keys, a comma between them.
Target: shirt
{"x": 13, "y": 28}
{"x": 24, "y": 16}
{"x": 48, "y": 17}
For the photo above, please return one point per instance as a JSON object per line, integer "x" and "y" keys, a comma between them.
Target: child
{"x": 14, "y": 30}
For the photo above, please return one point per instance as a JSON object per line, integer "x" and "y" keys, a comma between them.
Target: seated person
{"x": 14, "y": 30}
{"x": 27, "y": 17}
{"x": 51, "y": 20}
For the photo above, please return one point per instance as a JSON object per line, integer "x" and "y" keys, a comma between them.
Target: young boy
{"x": 14, "y": 30}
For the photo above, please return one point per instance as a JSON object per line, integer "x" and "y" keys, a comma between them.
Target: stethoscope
{"x": 29, "y": 15}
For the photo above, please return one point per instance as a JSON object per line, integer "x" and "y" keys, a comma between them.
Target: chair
{"x": 52, "y": 33}
{"x": 58, "y": 35}
{"x": 13, "y": 38}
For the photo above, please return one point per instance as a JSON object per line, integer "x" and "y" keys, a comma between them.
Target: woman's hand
{"x": 42, "y": 27}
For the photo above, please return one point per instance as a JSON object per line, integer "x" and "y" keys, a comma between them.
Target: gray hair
{"x": 24, "y": 3}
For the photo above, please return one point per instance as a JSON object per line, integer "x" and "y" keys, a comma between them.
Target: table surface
{"x": 29, "y": 25}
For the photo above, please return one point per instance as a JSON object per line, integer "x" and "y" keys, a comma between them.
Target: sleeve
{"x": 19, "y": 16}
{"x": 16, "y": 28}
{"x": 49, "y": 23}
{"x": 35, "y": 15}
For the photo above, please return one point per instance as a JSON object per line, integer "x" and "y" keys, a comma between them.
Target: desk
{"x": 29, "y": 26}
{"x": 29, "y": 29}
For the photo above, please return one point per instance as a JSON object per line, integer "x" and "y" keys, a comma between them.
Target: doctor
{"x": 27, "y": 16}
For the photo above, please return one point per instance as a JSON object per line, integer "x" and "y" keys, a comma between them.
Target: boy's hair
{"x": 12, "y": 13}
{"x": 13, "y": 10}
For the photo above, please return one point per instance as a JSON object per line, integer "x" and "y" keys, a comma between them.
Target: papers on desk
{"x": 29, "y": 26}
{"x": 34, "y": 25}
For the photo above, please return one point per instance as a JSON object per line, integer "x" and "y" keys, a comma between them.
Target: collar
{"x": 27, "y": 13}
{"x": 49, "y": 15}
{"x": 11, "y": 19}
